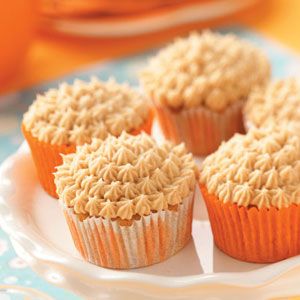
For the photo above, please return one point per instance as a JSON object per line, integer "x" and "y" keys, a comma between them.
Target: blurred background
{"x": 43, "y": 39}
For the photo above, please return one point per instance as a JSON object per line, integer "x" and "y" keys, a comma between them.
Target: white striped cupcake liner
{"x": 147, "y": 241}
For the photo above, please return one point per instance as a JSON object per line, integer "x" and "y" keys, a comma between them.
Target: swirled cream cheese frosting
{"x": 125, "y": 176}
{"x": 76, "y": 113}
{"x": 207, "y": 69}
{"x": 277, "y": 103}
{"x": 261, "y": 168}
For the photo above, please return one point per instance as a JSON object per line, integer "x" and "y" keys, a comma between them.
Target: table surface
{"x": 14, "y": 271}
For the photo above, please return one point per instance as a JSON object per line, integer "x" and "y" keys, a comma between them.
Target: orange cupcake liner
{"x": 252, "y": 234}
{"x": 149, "y": 240}
{"x": 200, "y": 129}
{"x": 147, "y": 126}
{"x": 46, "y": 156}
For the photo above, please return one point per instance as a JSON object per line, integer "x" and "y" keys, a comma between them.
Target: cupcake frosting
{"x": 207, "y": 69}
{"x": 261, "y": 168}
{"x": 277, "y": 103}
{"x": 74, "y": 114}
{"x": 125, "y": 176}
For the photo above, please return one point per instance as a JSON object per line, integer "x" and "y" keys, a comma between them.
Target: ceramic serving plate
{"x": 114, "y": 26}
{"x": 40, "y": 236}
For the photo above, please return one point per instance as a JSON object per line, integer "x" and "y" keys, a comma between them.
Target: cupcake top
{"x": 125, "y": 176}
{"x": 74, "y": 114}
{"x": 277, "y": 103}
{"x": 210, "y": 70}
{"x": 261, "y": 168}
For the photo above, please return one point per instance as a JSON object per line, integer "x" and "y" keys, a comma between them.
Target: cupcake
{"x": 72, "y": 115}
{"x": 276, "y": 103}
{"x": 251, "y": 187}
{"x": 198, "y": 86}
{"x": 128, "y": 201}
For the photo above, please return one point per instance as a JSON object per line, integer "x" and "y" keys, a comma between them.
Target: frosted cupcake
{"x": 251, "y": 186}
{"x": 72, "y": 115}
{"x": 198, "y": 85}
{"x": 128, "y": 201}
{"x": 277, "y": 103}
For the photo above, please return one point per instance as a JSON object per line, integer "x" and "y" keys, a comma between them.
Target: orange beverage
{"x": 17, "y": 19}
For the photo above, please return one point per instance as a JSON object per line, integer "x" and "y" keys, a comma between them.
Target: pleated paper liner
{"x": 147, "y": 126}
{"x": 252, "y": 234}
{"x": 46, "y": 156}
{"x": 199, "y": 128}
{"x": 138, "y": 243}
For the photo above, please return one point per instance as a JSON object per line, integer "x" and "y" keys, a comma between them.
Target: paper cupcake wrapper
{"x": 147, "y": 241}
{"x": 46, "y": 156}
{"x": 252, "y": 234}
{"x": 200, "y": 129}
{"x": 147, "y": 126}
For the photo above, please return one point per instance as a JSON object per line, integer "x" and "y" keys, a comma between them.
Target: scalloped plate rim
{"x": 55, "y": 256}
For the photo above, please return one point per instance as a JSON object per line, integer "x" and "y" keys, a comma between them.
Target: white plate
{"x": 40, "y": 236}
{"x": 192, "y": 12}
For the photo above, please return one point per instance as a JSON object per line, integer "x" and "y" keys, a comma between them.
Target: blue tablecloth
{"x": 13, "y": 270}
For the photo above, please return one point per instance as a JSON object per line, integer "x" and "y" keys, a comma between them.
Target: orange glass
{"x": 17, "y": 22}
{"x": 99, "y": 18}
